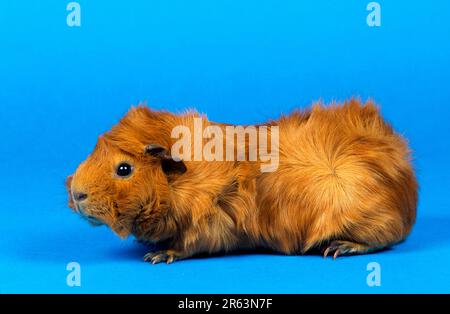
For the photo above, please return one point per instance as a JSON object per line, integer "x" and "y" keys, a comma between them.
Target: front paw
{"x": 168, "y": 256}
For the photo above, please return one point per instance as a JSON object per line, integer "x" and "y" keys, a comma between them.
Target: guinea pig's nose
{"x": 79, "y": 196}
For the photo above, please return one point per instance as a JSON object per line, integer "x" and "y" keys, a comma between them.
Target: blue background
{"x": 239, "y": 62}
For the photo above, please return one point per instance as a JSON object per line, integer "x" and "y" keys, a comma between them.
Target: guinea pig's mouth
{"x": 93, "y": 221}
{"x": 78, "y": 208}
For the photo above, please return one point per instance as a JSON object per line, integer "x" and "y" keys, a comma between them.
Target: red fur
{"x": 344, "y": 181}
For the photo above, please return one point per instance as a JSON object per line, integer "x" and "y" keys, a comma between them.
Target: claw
{"x": 333, "y": 247}
{"x": 343, "y": 248}
{"x": 148, "y": 257}
{"x": 161, "y": 256}
{"x": 170, "y": 259}
{"x": 336, "y": 254}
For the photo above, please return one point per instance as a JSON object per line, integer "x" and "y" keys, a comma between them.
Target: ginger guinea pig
{"x": 342, "y": 183}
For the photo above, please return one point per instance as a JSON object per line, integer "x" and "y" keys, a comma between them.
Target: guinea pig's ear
{"x": 168, "y": 163}
{"x": 156, "y": 150}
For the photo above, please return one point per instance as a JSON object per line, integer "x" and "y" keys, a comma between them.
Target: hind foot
{"x": 345, "y": 248}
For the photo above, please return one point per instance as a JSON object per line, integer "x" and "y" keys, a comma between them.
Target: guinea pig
{"x": 343, "y": 184}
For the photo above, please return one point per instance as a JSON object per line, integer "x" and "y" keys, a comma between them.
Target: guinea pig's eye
{"x": 124, "y": 170}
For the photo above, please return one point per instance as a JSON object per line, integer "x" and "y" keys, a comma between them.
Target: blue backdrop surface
{"x": 239, "y": 62}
